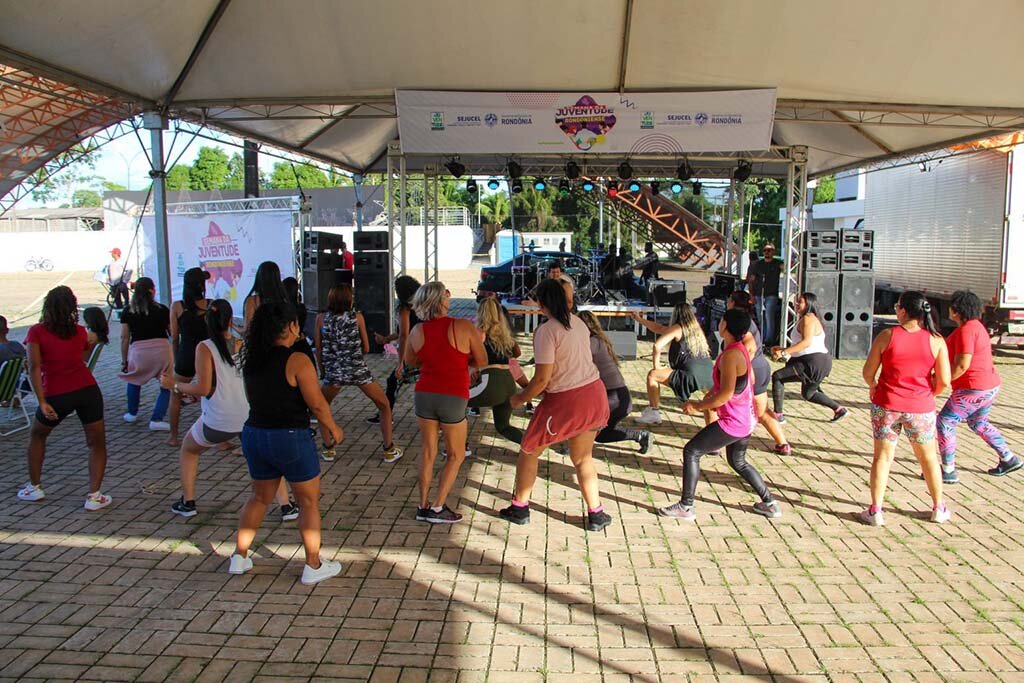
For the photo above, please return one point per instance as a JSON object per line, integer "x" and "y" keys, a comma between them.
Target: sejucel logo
{"x": 437, "y": 120}
{"x": 701, "y": 119}
{"x": 491, "y": 119}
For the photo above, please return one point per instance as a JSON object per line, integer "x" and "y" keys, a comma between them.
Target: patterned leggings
{"x": 972, "y": 406}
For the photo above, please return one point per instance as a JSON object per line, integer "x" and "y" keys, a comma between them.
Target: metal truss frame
{"x": 701, "y": 241}
{"x": 431, "y": 182}
{"x": 793, "y": 230}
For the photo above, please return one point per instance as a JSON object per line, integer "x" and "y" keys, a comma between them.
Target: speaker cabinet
{"x": 857, "y": 295}
{"x": 316, "y": 285}
{"x": 830, "y": 336}
{"x": 370, "y": 240}
{"x": 368, "y": 262}
{"x": 825, "y": 286}
{"x": 857, "y": 261}
{"x": 372, "y": 301}
{"x": 822, "y": 261}
{"x": 854, "y": 340}
{"x": 858, "y": 240}
{"x": 821, "y": 240}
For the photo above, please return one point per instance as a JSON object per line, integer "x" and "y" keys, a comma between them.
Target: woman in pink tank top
{"x": 914, "y": 368}
{"x": 733, "y": 398}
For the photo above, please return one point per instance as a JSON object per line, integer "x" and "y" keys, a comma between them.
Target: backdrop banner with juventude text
{"x": 444, "y": 122}
{"x": 230, "y": 246}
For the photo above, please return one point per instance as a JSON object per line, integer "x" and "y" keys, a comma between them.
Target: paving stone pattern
{"x": 133, "y": 593}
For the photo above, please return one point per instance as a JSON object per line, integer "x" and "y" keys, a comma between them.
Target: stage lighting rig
{"x": 634, "y": 186}
{"x": 696, "y": 188}
{"x": 676, "y": 187}
{"x": 613, "y": 188}
{"x": 742, "y": 172}
{"x": 515, "y": 171}
{"x": 540, "y": 184}
{"x": 625, "y": 171}
{"x": 655, "y": 187}
{"x": 684, "y": 172}
{"x": 455, "y": 167}
{"x": 516, "y": 185}
{"x": 563, "y": 187}
{"x": 471, "y": 187}
{"x": 493, "y": 184}
{"x": 588, "y": 185}
{"x": 572, "y": 170}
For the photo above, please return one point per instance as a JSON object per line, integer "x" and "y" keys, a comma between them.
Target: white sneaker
{"x": 327, "y": 569}
{"x": 392, "y": 454}
{"x": 97, "y": 501}
{"x": 239, "y": 564}
{"x": 30, "y": 492}
{"x": 650, "y": 416}
{"x": 155, "y": 426}
{"x": 128, "y": 417}
{"x": 942, "y": 514}
{"x": 875, "y": 519}
{"x": 469, "y": 453}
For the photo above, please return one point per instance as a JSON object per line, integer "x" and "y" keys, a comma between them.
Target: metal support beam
{"x": 193, "y": 57}
{"x": 627, "y": 26}
{"x": 395, "y": 267}
{"x": 793, "y": 229}
{"x": 729, "y": 215}
{"x": 156, "y": 124}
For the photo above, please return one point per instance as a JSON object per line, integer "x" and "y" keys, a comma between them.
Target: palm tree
{"x": 495, "y": 208}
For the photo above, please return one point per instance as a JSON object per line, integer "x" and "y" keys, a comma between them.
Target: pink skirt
{"x": 566, "y": 414}
{"x": 147, "y": 359}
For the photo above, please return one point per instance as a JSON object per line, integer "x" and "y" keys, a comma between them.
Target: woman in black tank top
{"x": 188, "y": 328}
{"x": 282, "y": 388}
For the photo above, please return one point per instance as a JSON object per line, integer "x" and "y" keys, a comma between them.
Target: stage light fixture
{"x": 588, "y": 185}
{"x": 684, "y": 172}
{"x": 655, "y": 187}
{"x": 455, "y": 167}
{"x": 515, "y": 171}
{"x": 625, "y": 170}
{"x": 572, "y": 170}
{"x": 540, "y": 184}
{"x": 696, "y": 188}
{"x": 742, "y": 172}
{"x": 493, "y": 184}
{"x": 613, "y": 188}
{"x": 471, "y": 186}
{"x": 516, "y": 185}
{"x": 563, "y": 187}
{"x": 634, "y": 185}
{"x": 676, "y": 187}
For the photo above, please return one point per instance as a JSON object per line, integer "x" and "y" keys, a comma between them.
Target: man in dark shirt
{"x": 763, "y": 279}
{"x": 650, "y": 269}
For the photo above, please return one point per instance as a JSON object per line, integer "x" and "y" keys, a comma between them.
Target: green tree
{"x": 495, "y": 209}
{"x": 210, "y": 169}
{"x": 58, "y": 178}
{"x": 311, "y": 177}
{"x": 826, "y": 190}
{"x": 235, "y": 179}
{"x": 111, "y": 186}
{"x": 179, "y": 177}
{"x": 86, "y": 198}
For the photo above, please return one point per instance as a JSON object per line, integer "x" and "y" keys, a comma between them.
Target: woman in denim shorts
{"x": 282, "y": 388}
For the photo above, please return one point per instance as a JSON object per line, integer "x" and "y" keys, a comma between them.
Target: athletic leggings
{"x": 393, "y": 384}
{"x": 971, "y": 406}
{"x": 621, "y": 402}
{"x": 496, "y": 387}
{"x": 713, "y": 438}
{"x": 811, "y": 391}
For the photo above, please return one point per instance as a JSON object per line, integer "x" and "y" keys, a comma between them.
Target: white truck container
{"x": 958, "y": 225}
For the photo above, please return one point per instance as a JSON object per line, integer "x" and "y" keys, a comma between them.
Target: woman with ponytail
{"x": 218, "y": 385}
{"x": 914, "y": 366}
{"x": 188, "y": 329}
{"x": 145, "y": 351}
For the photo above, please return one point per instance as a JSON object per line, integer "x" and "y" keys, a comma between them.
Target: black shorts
{"x": 87, "y": 402}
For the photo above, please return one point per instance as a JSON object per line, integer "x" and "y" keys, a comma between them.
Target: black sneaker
{"x": 183, "y": 508}
{"x": 289, "y": 512}
{"x": 422, "y": 514}
{"x": 644, "y": 441}
{"x": 840, "y": 414}
{"x": 598, "y": 520}
{"x": 445, "y": 516}
{"x": 1006, "y": 466}
{"x": 529, "y": 407}
{"x": 374, "y": 419}
{"x": 515, "y": 514}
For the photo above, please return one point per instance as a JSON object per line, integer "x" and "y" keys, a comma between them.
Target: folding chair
{"x": 10, "y": 380}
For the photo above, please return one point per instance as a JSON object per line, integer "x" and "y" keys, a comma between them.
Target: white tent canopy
{"x": 857, "y": 81}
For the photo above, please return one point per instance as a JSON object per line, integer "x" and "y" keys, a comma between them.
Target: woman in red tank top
{"x": 443, "y": 348}
{"x": 914, "y": 369}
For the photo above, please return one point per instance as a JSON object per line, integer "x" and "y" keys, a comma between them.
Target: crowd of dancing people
{"x": 265, "y": 388}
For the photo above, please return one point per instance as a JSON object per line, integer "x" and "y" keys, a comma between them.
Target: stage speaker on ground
{"x": 825, "y": 286}
{"x": 830, "y": 337}
{"x": 857, "y": 295}
{"x": 666, "y": 292}
{"x": 822, "y": 261}
{"x": 368, "y": 262}
{"x": 370, "y": 240}
{"x": 316, "y": 285}
{"x": 371, "y": 290}
{"x": 854, "y": 340}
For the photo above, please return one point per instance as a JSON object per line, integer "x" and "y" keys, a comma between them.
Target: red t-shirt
{"x": 61, "y": 361}
{"x": 348, "y": 260}
{"x": 972, "y": 338}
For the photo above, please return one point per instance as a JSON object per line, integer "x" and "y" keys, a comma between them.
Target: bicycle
{"x": 38, "y": 263}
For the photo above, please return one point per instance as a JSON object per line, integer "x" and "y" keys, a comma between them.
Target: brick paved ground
{"x": 134, "y": 593}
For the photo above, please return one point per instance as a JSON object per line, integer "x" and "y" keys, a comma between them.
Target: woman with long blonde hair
{"x": 690, "y": 362}
{"x": 619, "y": 400}
{"x": 497, "y": 385}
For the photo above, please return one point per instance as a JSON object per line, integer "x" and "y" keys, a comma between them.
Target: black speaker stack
{"x": 839, "y": 270}
{"x": 372, "y": 261}
{"x": 322, "y": 267}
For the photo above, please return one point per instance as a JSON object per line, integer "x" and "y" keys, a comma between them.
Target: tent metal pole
{"x": 600, "y": 220}
{"x": 402, "y": 204}
{"x": 787, "y": 234}
{"x": 425, "y": 221}
{"x": 730, "y": 197}
{"x": 389, "y": 188}
{"x": 156, "y": 124}
{"x": 358, "y": 180}
{"x": 437, "y": 270}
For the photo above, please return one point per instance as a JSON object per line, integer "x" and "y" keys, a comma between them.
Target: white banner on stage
{"x": 230, "y": 246}
{"x": 445, "y": 122}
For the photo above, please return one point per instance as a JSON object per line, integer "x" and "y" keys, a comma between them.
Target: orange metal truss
{"x": 699, "y": 242}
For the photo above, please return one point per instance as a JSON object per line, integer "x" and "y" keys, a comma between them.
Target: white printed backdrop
{"x": 445, "y": 122}
{"x": 231, "y": 246}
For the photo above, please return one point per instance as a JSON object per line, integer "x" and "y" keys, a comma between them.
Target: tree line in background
{"x": 531, "y": 210}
